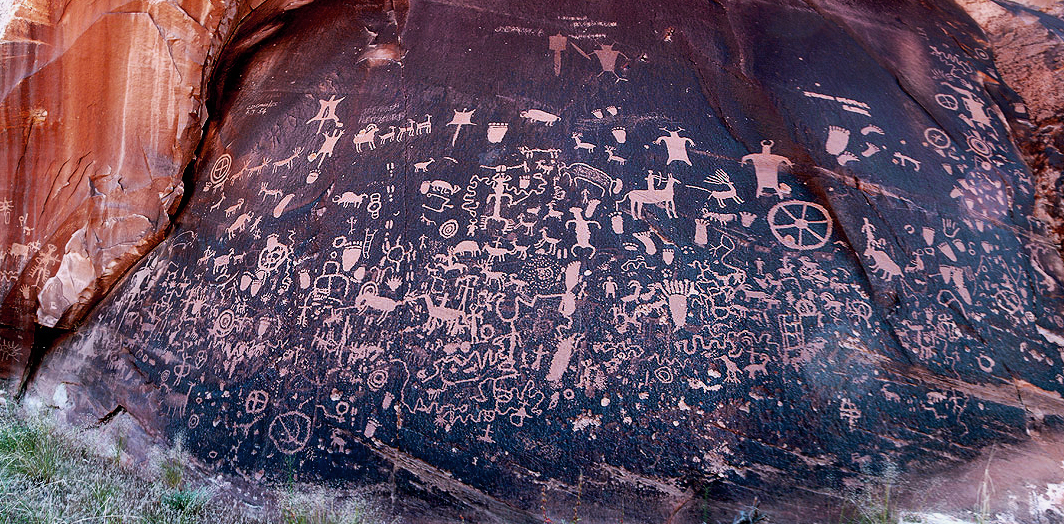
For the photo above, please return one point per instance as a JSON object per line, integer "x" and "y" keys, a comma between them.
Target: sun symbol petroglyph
{"x": 9, "y": 350}
{"x": 220, "y": 171}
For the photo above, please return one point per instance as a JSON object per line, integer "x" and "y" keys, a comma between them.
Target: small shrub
{"x": 33, "y": 449}
{"x": 872, "y": 502}
{"x": 172, "y": 473}
{"x": 319, "y": 507}
{"x": 188, "y": 502}
{"x": 751, "y": 516}
{"x": 51, "y": 475}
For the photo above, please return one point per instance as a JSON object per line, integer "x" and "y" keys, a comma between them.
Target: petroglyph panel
{"x": 553, "y": 245}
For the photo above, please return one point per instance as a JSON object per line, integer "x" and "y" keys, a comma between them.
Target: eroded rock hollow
{"x": 651, "y": 259}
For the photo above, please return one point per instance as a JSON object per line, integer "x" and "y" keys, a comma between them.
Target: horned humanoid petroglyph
{"x": 766, "y": 169}
{"x": 676, "y": 146}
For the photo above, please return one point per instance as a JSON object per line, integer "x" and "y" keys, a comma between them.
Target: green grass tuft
{"x": 48, "y": 475}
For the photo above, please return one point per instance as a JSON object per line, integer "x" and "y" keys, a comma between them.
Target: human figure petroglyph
{"x": 582, "y": 229}
{"x": 461, "y": 118}
{"x": 46, "y": 258}
{"x": 327, "y": 111}
{"x": 395, "y": 253}
{"x": 327, "y": 147}
{"x": 675, "y": 146}
{"x": 637, "y": 198}
{"x": 606, "y": 55}
{"x": 766, "y": 169}
{"x": 608, "y": 59}
{"x": 6, "y": 207}
{"x": 498, "y": 194}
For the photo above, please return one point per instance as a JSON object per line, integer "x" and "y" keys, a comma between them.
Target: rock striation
{"x": 619, "y": 260}
{"x": 94, "y": 143}
{"x": 101, "y": 106}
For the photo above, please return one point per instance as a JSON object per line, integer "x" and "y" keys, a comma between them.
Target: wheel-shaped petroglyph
{"x": 256, "y": 401}
{"x": 224, "y": 322}
{"x": 220, "y": 171}
{"x": 290, "y": 432}
{"x": 937, "y": 138}
{"x": 800, "y": 225}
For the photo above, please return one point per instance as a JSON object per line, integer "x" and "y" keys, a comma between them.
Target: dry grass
{"x": 51, "y": 474}
{"x": 872, "y": 501}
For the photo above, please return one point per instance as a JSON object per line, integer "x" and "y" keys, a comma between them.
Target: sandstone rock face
{"x": 618, "y": 259}
{"x": 101, "y": 108}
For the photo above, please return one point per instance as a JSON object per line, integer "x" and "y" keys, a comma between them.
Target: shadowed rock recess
{"x": 621, "y": 260}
